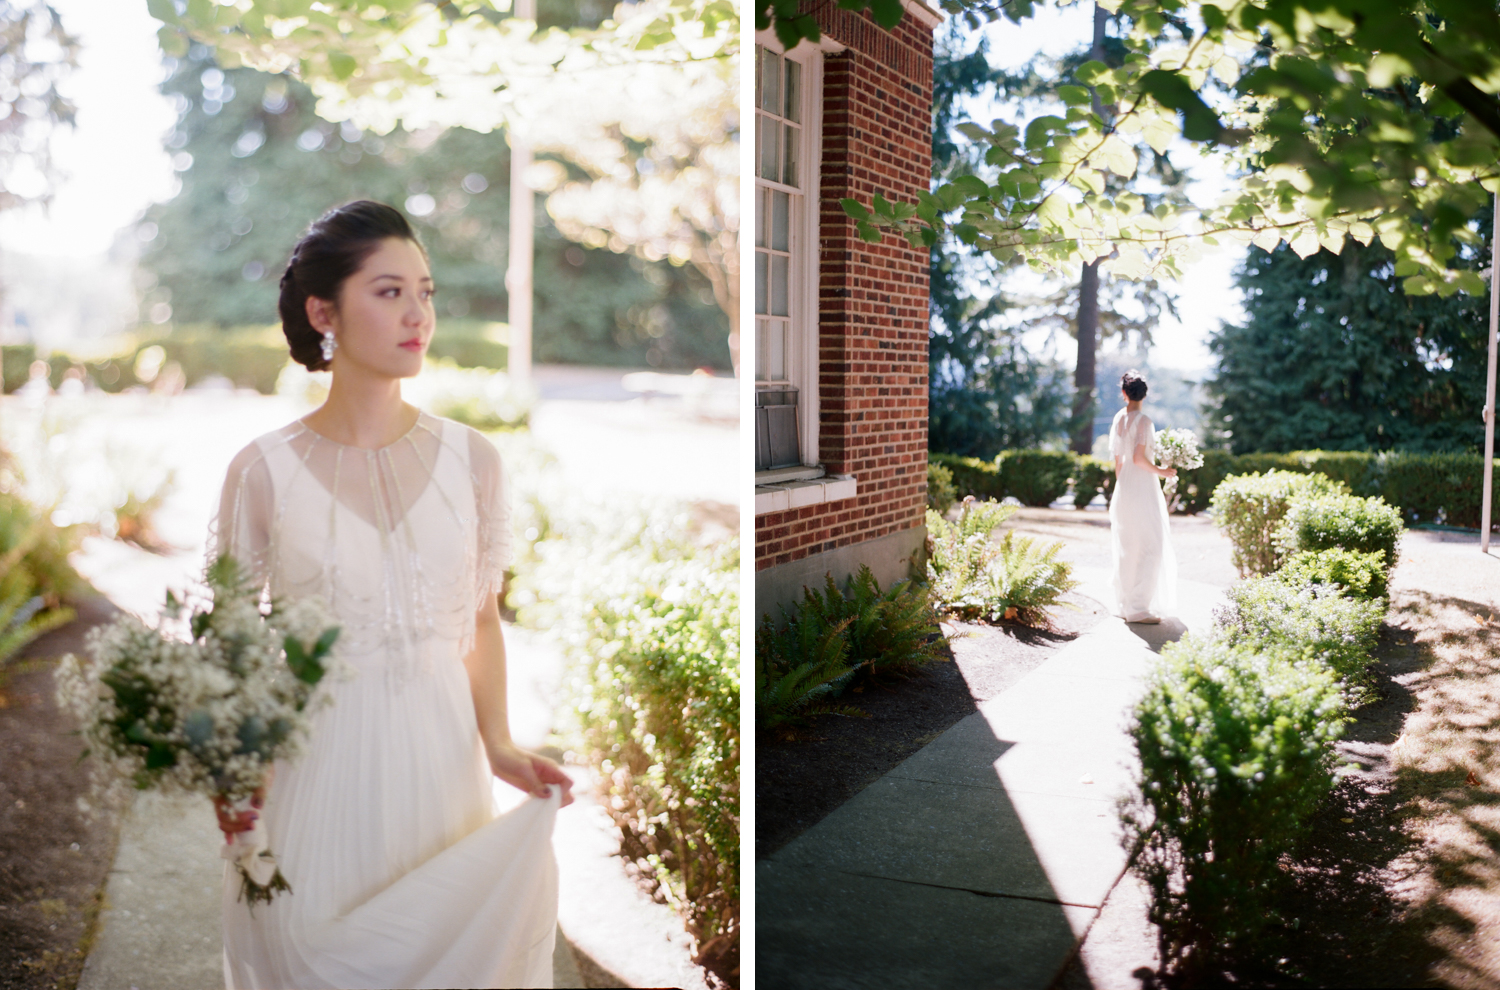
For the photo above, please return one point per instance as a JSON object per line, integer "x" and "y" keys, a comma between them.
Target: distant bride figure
{"x": 1145, "y": 570}
{"x": 402, "y": 873}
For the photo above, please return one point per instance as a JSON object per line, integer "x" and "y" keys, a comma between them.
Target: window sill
{"x": 786, "y": 495}
{"x": 780, "y": 476}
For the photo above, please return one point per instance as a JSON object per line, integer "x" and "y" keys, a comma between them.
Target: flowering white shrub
{"x": 207, "y": 701}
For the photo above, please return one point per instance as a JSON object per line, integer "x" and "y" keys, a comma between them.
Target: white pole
{"x": 522, "y": 236}
{"x": 1489, "y": 390}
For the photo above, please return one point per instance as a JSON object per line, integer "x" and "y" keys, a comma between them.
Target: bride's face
{"x": 384, "y": 319}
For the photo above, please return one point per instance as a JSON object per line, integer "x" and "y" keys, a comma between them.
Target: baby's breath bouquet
{"x": 205, "y": 702}
{"x": 1177, "y": 449}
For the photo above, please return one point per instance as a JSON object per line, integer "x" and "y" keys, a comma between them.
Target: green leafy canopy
{"x": 1339, "y": 119}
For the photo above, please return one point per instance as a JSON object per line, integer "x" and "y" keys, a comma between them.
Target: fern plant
{"x": 886, "y": 631}
{"x": 973, "y": 577}
{"x": 830, "y": 637}
{"x": 799, "y": 668}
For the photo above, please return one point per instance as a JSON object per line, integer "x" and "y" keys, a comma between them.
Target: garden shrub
{"x": 940, "y": 491}
{"x": 1236, "y": 750}
{"x": 1250, "y": 508}
{"x": 1313, "y": 619}
{"x": 36, "y": 580}
{"x": 971, "y": 475}
{"x": 644, "y": 603}
{"x": 1091, "y": 476}
{"x": 1035, "y": 477}
{"x": 974, "y": 577}
{"x": 1360, "y": 575}
{"x": 1324, "y": 521}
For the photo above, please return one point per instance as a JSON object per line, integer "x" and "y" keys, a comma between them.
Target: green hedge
{"x": 1236, "y": 751}
{"x": 1092, "y": 475}
{"x": 1360, "y": 575}
{"x": 1235, "y": 731}
{"x": 646, "y": 611}
{"x": 1249, "y": 510}
{"x": 1035, "y": 477}
{"x": 1428, "y": 488}
{"x": 971, "y": 475}
{"x": 1315, "y": 619}
{"x": 1032, "y": 477}
{"x": 1336, "y": 521}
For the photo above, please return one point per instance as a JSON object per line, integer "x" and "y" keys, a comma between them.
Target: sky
{"x": 114, "y": 157}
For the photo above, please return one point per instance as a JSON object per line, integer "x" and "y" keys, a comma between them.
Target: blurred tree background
{"x": 257, "y": 165}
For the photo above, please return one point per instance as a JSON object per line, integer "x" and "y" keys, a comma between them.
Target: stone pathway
{"x": 984, "y": 859}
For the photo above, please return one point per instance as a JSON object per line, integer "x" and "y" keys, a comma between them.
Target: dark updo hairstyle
{"x": 333, "y": 248}
{"x": 1133, "y": 385}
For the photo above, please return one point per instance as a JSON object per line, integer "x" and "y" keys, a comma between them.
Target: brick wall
{"x": 872, "y": 310}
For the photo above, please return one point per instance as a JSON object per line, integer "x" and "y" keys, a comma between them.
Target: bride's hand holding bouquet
{"x": 205, "y": 703}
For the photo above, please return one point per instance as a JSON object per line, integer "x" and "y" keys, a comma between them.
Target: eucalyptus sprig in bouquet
{"x": 205, "y": 702}
{"x": 1177, "y": 449}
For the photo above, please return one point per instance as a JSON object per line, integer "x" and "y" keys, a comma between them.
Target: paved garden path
{"x": 984, "y": 859}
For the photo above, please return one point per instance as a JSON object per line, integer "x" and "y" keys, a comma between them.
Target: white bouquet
{"x": 1177, "y": 449}
{"x": 206, "y": 702}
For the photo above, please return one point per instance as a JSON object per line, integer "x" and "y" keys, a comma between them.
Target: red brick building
{"x": 841, "y": 325}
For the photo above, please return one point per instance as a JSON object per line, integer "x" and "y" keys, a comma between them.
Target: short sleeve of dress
{"x": 492, "y": 501}
{"x": 242, "y": 526}
{"x": 1145, "y": 433}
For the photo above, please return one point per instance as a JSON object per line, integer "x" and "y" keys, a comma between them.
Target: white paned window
{"x": 785, "y": 263}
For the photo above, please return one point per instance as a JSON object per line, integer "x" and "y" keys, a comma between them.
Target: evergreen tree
{"x": 258, "y": 165}
{"x": 1334, "y": 355}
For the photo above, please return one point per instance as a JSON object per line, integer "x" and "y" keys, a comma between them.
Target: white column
{"x": 1489, "y": 390}
{"x": 522, "y": 236}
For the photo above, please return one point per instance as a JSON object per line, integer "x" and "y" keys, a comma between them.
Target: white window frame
{"x": 802, "y": 352}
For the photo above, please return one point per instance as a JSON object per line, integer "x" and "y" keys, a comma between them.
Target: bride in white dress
{"x": 402, "y": 873}
{"x": 1145, "y": 569}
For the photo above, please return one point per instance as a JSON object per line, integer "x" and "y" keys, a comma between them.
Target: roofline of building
{"x": 931, "y": 18}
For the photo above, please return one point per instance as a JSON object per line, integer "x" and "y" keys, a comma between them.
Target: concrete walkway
{"x": 983, "y": 859}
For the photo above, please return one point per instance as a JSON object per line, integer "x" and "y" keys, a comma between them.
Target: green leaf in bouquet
{"x": 306, "y": 667}
{"x": 160, "y": 756}
{"x": 199, "y": 728}
{"x": 325, "y": 642}
{"x": 200, "y": 624}
{"x": 252, "y": 734}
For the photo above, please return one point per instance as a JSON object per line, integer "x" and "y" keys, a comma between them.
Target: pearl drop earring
{"x": 328, "y": 345}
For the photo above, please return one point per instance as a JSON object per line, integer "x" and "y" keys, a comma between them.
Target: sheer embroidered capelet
{"x": 404, "y": 543}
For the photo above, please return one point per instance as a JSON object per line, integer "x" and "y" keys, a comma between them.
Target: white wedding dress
{"x": 1145, "y": 569}
{"x": 402, "y": 873}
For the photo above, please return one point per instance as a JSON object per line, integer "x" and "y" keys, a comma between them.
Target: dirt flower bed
{"x": 55, "y": 849}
